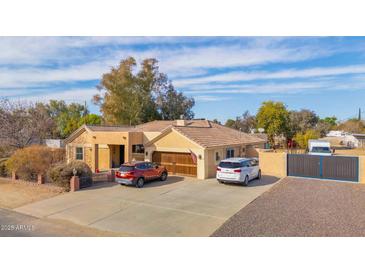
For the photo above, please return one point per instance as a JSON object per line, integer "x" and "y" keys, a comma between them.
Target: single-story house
{"x": 185, "y": 147}
{"x": 350, "y": 140}
{"x": 356, "y": 140}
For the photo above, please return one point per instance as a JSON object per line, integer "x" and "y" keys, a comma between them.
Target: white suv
{"x": 238, "y": 170}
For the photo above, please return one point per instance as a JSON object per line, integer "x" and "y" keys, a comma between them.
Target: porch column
{"x": 95, "y": 157}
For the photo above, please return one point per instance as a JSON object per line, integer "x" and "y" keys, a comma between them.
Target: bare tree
{"x": 23, "y": 124}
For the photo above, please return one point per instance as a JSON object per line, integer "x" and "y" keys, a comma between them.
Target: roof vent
{"x": 181, "y": 123}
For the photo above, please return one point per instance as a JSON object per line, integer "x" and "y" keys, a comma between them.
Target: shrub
{"x": 31, "y": 161}
{"x": 302, "y": 138}
{"x": 3, "y": 170}
{"x": 61, "y": 174}
{"x": 5, "y": 151}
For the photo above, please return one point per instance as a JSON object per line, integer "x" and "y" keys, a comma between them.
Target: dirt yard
{"x": 13, "y": 195}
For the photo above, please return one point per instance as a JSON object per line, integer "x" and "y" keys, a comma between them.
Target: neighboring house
{"x": 54, "y": 143}
{"x": 336, "y": 133}
{"x": 264, "y": 137}
{"x": 186, "y": 147}
{"x": 355, "y": 140}
{"x": 341, "y": 138}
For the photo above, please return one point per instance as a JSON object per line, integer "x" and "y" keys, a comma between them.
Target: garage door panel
{"x": 176, "y": 163}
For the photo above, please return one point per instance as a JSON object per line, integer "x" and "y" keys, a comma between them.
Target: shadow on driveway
{"x": 265, "y": 180}
{"x": 170, "y": 180}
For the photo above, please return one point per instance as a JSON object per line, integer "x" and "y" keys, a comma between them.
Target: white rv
{"x": 319, "y": 147}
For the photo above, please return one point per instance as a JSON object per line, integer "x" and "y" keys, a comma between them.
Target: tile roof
{"x": 210, "y": 134}
{"x": 110, "y": 128}
{"x": 203, "y": 132}
{"x": 154, "y": 126}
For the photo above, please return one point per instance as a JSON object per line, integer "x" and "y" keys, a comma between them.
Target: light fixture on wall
{"x": 146, "y": 153}
{"x": 200, "y": 156}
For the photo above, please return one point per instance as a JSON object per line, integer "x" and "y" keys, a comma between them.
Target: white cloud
{"x": 69, "y": 95}
{"x": 210, "y": 98}
{"x": 265, "y": 75}
{"x": 259, "y": 88}
{"x": 175, "y": 62}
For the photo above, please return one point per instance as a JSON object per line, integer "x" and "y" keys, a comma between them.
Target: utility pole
{"x": 359, "y": 117}
{"x": 85, "y": 109}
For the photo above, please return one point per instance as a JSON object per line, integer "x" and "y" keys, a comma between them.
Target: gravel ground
{"x": 302, "y": 207}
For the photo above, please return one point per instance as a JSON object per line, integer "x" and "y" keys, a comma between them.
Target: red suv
{"x": 137, "y": 173}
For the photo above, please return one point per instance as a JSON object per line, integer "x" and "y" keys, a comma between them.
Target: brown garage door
{"x": 176, "y": 163}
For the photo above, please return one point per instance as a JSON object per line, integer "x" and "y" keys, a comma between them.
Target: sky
{"x": 225, "y": 75}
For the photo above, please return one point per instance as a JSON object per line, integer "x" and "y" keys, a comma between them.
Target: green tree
{"x": 330, "y": 120}
{"x": 129, "y": 98}
{"x": 301, "y": 121}
{"x": 274, "y": 118}
{"x": 325, "y": 125}
{"x": 173, "y": 105}
{"x": 231, "y": 123}
{"x": 302, "y": 138}
{"x": 66, "y": 117}
{"x": 90, "y": 119}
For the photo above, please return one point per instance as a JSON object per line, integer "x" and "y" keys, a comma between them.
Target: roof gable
{"x": 168, "y": 131}
{"x": 75, "y": 134}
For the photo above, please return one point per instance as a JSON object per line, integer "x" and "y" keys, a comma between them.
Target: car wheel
{"x": 219, "y": 181}
{"x": 259, "y": 175}
{"x": 140, "y": 182}
{"x": 245, "y": 182}
{"x": 163, "y": 176}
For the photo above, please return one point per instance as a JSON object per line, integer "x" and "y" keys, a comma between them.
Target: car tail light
{"x": 128, "y": 174}
{"x": 237, "y": 170}
{"x": 218, "y": 169}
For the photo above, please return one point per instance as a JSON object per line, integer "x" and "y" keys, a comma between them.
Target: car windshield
{"x": 321, "y": 149}
{"x": 125, "y": 168}
{"x": 230, "y": 164}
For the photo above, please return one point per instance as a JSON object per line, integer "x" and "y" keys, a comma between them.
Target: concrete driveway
{"x": 178, "y": 207}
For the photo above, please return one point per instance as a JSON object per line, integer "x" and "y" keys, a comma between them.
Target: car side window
{"x": 254, "y": 162}
{"x": 148, "y": 165}
{"x": 245, "y": 164}
{"x": 141, "y": 166}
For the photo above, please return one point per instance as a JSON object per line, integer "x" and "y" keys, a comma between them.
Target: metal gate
{"x": 85, "y": 181}
{"x": 343, "y": 168}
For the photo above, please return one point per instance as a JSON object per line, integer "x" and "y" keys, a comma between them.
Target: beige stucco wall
{"x": 362, "y": 169}
{"x": 273, "y": 163}
{"x": 211, "y": 163}
{"x": 175, "y": 140}
{"x": 83, "y": 140}
{"x": 108, "y": 150}
{"x": 148, "y": 136}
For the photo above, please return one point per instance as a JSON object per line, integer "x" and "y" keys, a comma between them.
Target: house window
{"x": 79, "y": 153}
{"x": 138, "y": 148}
{"x": 217, "y": 156}
{"x": 230, "y": 153}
